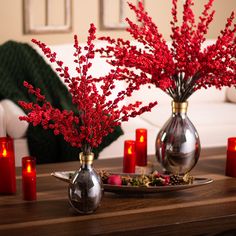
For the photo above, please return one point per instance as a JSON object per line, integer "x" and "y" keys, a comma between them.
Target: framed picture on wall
{"x": 47, "y": 16}
{"x": 114, "y": 12}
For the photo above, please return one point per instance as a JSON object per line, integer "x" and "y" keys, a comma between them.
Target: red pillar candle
{"x": 231, "y": 157}
{"x": 141, "y": 147}
{"x": 29, "y": 178}
{"x": 129, "y": 160}
{"x": 7, "y": 166}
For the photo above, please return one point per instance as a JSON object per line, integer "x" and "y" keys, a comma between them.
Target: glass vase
{"x": 177, "y": 143}
{"x": 85, "y": 188}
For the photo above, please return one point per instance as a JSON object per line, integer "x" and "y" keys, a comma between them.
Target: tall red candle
{"x": 29, "y": 178}
{"x": 231, "y": 157}
{"x": 129, "y": 160}
{"x": 141, "y": 147}
{"x": 7, "y": 166}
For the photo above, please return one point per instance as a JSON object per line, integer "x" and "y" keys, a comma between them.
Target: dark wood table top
{"x": 208, "y": 209}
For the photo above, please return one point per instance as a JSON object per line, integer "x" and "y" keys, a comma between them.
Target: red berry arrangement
{"x": 97, "y": 115}
{"x": 182, "y": 68}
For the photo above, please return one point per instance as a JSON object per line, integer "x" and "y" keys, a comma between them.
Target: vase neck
{"x": 179, "y": 107}
{"x": 86, "y": 159}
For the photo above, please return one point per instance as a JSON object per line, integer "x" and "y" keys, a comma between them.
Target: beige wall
{"x": 87, "y": 11}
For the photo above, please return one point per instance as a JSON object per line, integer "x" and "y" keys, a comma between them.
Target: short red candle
{"x": 129, "y": 157}
{"x": 7, "y": 166}
{"x": 29, "y": 178}
{"x": 231, "y": 157}
{"x": 141, "y": 147}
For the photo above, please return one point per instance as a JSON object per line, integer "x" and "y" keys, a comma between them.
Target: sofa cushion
{"x": 215, "y": 136}
{"x": 201, "y": 114}
{"x": 99, "y": 65}
{"x": 65, "y": 53}
{"x": 208, "y": 95}
{"x": 231, "y": 94}
{"x": 210, "y": 119}
{"x": 116, "y": 149}
{"x": 149, "y": 93}
{"x": 212, "y": 114}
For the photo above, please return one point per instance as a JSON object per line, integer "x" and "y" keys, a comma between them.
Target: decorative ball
{"x": 114, "y": 180}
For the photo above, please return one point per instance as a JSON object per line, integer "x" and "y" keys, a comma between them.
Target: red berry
{"x": 114, "y": 180}
{"x": 167, "y": 180}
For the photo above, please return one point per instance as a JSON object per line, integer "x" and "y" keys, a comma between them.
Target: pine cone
{"x": 176, "y": 180}
{"x": 104, "y": 175}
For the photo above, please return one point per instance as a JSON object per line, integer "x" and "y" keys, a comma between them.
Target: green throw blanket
{"x": 20, "y": 62}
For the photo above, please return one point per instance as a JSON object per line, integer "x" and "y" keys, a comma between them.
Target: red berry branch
{"x": 182, "y": 68}
{"x": 97, "y": 114}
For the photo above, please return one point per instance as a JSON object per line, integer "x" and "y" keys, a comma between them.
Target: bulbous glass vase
{"x": 177, "y": 143}
{"x": 85, "y": 188}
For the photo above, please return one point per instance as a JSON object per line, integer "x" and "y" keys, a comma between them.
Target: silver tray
{"x": 65, "y": 176}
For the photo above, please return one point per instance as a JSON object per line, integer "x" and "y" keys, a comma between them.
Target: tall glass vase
{"x": 85, "y": 188}
{"x": 177, "y": 143}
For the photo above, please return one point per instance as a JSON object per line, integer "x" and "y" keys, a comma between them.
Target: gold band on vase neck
{"x": 179, "y": 107}
{"x": 86, "y": 158}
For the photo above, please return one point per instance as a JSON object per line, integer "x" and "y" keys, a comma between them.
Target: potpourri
{"x": 148, "y": 180}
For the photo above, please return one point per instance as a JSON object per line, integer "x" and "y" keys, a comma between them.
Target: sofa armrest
{"x": 13, "y": 126}
{"x": 231, "y": 95}
{"x": 2, "y": 122}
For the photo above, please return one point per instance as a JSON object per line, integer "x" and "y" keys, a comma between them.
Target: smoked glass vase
{"x": 177, "y": 143}
{"x": 85, "y": 188}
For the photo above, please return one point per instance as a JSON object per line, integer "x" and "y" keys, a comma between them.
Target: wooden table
{"x": 209, "y": 209}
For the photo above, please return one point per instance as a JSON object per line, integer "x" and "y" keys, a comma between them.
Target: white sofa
{"x": 212, "y": 112}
